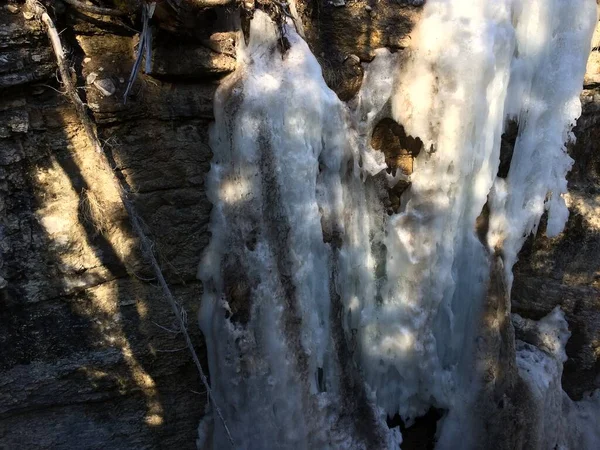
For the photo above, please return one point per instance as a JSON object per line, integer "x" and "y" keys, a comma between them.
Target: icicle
{"x": 321, "y": 312}
{"x": 280, "y": 367}
{"x": 556, "y": 421}
{"x": 553, "y": 42}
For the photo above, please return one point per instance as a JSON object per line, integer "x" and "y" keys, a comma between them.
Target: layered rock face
{"x": 90, "y": 354}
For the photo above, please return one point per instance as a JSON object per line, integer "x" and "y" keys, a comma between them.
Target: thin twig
{"x": 144, "y": 47}
{"x": 170, "y": 351}
{"x": 212, "y": 3}
{"x": 53, "y": 88}
{"x": 40, "y": 12}
{"x": 168, "y": 330}
{"x": 141, "y": 278}
{"x": 94, "y": 9}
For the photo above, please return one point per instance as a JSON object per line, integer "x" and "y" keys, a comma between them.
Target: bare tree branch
{"x": 94, "y": 9}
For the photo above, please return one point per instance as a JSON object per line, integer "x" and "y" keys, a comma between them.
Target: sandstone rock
{"x": 83, "y": 337}
{"x": 18, "y": 122}
{"x": 333, "y": 33}
{"x": 189, "y": 61}
{"x": 592, "y": 75}
{"x": 353, "y": 30}
{"x": 105, "y": 86}
{"x": 91, "y": 78}
{"x": 25, "y": 56}
{"x": 345, "y": 78}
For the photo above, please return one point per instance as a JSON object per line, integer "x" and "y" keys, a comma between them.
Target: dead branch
{"x": 176, "y": 4}
{"x": 168, "y": 330}
{"x": 146, "y": 244}
{"x": 211, "y": 3}
{"x": 175, "y": 350}
{"x": 94, "y": 9}
{"x": 144, "y": 47}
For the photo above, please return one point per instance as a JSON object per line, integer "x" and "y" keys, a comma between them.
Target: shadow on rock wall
{"x": 91, "y": 354}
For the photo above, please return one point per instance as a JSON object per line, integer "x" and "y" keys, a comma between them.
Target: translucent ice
{"x": 321, "y": 312}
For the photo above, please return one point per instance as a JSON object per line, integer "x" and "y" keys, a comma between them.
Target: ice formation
{"x": 558, "y": 421}
{"x": 322, "y": 313}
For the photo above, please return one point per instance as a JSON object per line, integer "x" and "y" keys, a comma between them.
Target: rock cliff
{"x": 91, "y": 356}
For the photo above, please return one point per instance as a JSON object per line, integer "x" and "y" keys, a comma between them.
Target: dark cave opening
{"x": 421, "y": 434}
{"x": 507, "y": 146}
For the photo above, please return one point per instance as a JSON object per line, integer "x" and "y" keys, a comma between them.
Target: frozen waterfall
{"x": 323, "y": 311}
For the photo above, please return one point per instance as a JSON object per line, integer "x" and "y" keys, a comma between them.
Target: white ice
{"x": 558, "y": 421}
{"x": 321, "y": 313}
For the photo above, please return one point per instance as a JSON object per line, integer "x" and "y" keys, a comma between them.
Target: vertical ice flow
{"x": 321, "y": 312}
{"x": 279, "y": 361}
